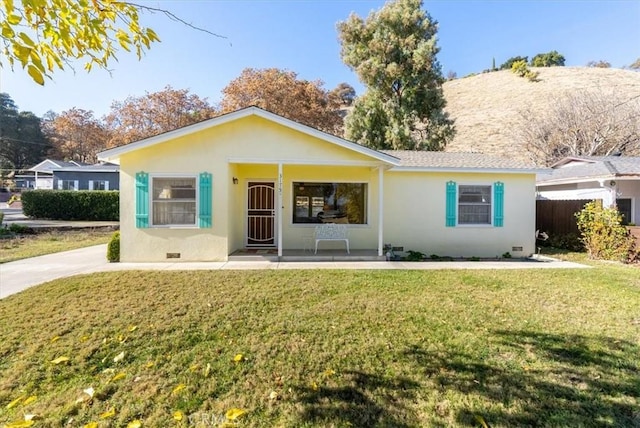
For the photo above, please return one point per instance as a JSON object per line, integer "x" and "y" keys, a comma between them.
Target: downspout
{"x": 279, "y": 210}
{"x": 380, "y": 210}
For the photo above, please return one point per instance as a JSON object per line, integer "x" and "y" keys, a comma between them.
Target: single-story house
{"x": 253, "y": 179}
{"x": 71, "y": 175}
{"x": 101, "y": 176}
{"x": 615, "y": 180}
{"x": 42, "y": 177}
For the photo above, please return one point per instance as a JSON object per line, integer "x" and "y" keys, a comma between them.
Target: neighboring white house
{"x": 255, "y": 180}
{"x": 43, "y": 173}
{"x": 613, "y": 179}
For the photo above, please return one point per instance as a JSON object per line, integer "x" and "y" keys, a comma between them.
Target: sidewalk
{"x": 22, "y": 274}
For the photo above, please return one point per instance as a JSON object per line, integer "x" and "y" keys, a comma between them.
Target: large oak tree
{"x": 283, "y": 93}
{"x": 75, "y": 135}
{"x": 137, "y": 118}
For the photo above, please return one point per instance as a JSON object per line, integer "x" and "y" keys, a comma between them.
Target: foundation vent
{"x": 173, "y": 255}
{"x": 516, "y": 248}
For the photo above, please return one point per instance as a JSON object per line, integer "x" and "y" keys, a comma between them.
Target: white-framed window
{"x": 329, "y": 203}
{"x": 173, "y": 201}
{"x": 474, "y": 204}
{"x": 67, "y": 184}
{"x": 98, "y": 184}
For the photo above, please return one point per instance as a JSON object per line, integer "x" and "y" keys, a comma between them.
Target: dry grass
{"x": 327, "y": 348}
{"x": 486, "y": 107}
{"x": 32, "y": 245}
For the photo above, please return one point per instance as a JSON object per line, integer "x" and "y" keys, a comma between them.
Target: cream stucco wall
{"x": 226, "y": 151}
{"x": 414, "y": 215}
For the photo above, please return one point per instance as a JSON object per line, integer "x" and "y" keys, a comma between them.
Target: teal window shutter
{"x": 498, "y": 200}
{"x": 142, "y": 200}
{"x": 204, "y": 213}
{"x": 451, "y": 204}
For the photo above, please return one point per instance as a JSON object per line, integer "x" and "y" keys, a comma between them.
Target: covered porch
{"x": 275, "y": 207}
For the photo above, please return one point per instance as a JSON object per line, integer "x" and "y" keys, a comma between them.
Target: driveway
{"x": 22, "y": 274}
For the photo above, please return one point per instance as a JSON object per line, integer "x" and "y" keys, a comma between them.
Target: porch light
{"x": 235, "y": 180}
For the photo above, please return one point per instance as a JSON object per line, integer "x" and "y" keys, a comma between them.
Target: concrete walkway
{"x": 22, "y": 274}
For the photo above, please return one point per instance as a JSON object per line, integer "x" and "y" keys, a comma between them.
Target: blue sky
{"x": 300, "y": 35}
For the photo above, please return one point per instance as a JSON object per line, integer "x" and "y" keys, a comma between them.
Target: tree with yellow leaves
{"x": 44, "y": 35}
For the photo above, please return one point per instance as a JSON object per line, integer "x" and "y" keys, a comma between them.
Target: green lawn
{"x": 326, "y": 349}
{"x": 32, "y": 245}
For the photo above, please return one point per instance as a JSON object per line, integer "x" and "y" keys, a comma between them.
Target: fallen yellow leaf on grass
{"x": 119, "y": 376}
{"x": 314, "y": 386}
{"x": 30, "y": 400}
{"x": 329, "y": 372}
{"x": 238, "y": 358}
{"x": 134, "y": 424}
{"x": 194, "y": 367}
{"x": 178, "y": 388}
{"x": 16, "y": 401}
{"x": 207, "y": 370}
{"x": 133, "y": 328}
{"x": 481, "y": 421}
{"x": 118, "y": 357}
{"x": 91, "y": 425}
{"x": 60, "y": 360}
{"x": 177, "y": 415}
{"x": 108, "y": 414}
{"x": 149, "y": 365}
{"x": 19, "y": 424}
{"x": 233, "y": 414}
{"x": 55, "y": 339}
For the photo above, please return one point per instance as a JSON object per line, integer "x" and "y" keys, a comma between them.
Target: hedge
{"x": 72, "y": 205}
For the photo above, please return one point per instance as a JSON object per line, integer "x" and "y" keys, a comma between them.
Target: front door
{"x": 261, "y": 214}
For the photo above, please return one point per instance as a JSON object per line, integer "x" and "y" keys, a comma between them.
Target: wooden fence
{"x": 558, "y": 217}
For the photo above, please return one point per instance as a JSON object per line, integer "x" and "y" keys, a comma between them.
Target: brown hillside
{"x": 486, "y": 107}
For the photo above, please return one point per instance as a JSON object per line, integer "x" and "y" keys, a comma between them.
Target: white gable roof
{"x": 115, "y": 153}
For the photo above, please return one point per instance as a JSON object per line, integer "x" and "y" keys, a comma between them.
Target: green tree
{"x": 509, "y": 63}
{"x": 22, "y": 143}
{"x": 602, "y": 232}
{"x": 393, "y": 52}
{"x": 599, "y": 64}
{"x": 344, "y": 94}
{"x": 549, "y": 59}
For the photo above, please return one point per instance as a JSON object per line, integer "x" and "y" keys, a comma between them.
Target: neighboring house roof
{"x": 590, "y": 168}
{"x": 49, "y": 165}
{"x": 100, "y": 167}
{"x": 115, "y": 153}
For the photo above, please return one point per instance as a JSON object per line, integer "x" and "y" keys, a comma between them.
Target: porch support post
{"x": 380, "y": 210}
{"x": 35, "y": 183}
{"x": 279, "y": 209}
